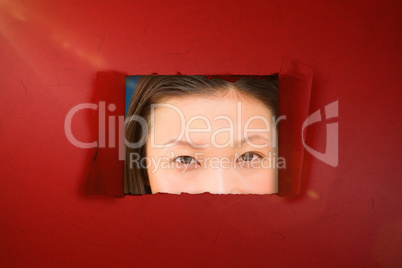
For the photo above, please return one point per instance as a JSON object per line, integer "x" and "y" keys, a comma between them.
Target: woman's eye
{"x": 186, "y": 160}
{"x": 250, "y": 156}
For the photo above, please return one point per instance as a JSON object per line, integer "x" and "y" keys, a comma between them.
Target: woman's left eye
{"x": 250, "y": 156}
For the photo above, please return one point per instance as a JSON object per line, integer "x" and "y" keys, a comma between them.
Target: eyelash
{"x": 252, "y": 153}
{"x": 176, "y": 159}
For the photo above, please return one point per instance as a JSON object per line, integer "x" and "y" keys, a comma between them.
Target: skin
{"x": 214, "y": 156}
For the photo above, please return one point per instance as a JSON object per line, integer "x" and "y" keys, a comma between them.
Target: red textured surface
{"x": 50, "y": 53}
{"x": 106, "y": 175}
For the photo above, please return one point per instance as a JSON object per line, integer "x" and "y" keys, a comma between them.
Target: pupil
{"x": 247, "y": 156}
{"x": 186, "y": 159}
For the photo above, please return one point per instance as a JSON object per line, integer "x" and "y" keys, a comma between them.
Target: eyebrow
{"x": 174, "y": 142}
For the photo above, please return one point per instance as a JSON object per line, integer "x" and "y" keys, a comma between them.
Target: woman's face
{"x": 219, "y": 144}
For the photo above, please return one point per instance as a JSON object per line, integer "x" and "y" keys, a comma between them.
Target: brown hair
{"x": 153, "y": 89}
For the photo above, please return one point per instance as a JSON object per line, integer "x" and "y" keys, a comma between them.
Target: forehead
{"x": 225, "y": 102}
{"x": 229, "y": 109}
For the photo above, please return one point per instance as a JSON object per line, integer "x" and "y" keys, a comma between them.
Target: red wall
{"x": 50, "y": 53}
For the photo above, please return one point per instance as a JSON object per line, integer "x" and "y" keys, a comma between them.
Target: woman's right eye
{"x": 186, "y": 160}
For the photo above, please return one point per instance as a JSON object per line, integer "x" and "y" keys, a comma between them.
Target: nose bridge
{"x": 219, "y": 180}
